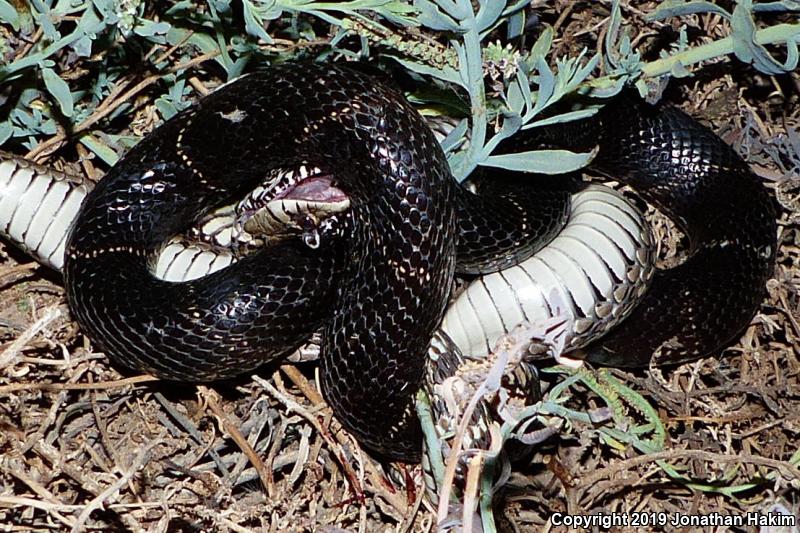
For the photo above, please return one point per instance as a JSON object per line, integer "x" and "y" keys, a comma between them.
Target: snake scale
{"x": 391, "y": 274}
{"x": 712, "y": 196}
{"x": 380, "y": 278}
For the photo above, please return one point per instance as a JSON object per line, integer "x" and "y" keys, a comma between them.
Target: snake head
{"x": 289, "y": 203}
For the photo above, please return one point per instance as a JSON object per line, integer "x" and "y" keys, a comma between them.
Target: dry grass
{"x": 84, "y": 447}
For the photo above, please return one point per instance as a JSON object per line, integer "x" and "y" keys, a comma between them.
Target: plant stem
{"x": 724, "y": 46}
{"x": 477, "y": 99}
{"x": 774, "y": 34}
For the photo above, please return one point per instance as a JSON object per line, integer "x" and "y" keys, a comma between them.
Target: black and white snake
{"x": 378, "y": 278}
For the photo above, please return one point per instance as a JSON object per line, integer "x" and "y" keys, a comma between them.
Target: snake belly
{"x": 37, "y": 207}
{"x": 594, "y": 272}
{"x": 192, "y": 340}
{"x": 685, "y": 170}
{"x": 379, "y": 292}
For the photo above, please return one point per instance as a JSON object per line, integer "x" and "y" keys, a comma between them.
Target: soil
{"x": 86, "y": 445}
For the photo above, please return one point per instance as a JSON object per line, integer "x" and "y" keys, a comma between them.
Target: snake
{"x": 385, "y": 268}
{"x": 687, "y": 312}
{"x": 392, "y": 255}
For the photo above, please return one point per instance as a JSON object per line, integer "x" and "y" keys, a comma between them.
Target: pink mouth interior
{"x": 314, "y": 189}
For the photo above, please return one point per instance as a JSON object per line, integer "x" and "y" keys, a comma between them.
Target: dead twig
{"x": 211, "y": 400}
{"x": 55, "y": 387}
{"x": 11, "y": 353}
{"x": 99, "y": 501}
{"x": 788, "y": 470}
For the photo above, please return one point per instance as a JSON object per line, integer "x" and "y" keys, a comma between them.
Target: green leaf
{"x": 547, "y": 85}
{"x": 254, "y": 22}
{"x": 675, "y": 8}
{"x": 99, "y": 149}
{"x": 236, "y": 68}
{"x": 6, "y": 129}
{"x": 446, "y": 74}
{"x": 41, "y": 14}
{"x": 542, "y": 46}
{"x": 605, "y": 87}
{"x": 515, "y": 99}
{"x": 399, "y": 12}
{"x": 580, "y": 74}
{"x": 108, "y": 10}
{"x": 457, "y": 10}
{"x": 679, "y": 71}
{"x": 541, "y": 161}
{"x": 786, "y": 5}
{"x": 9, "y": 15}
{"x": 166, "y": 108}
{"x": 619, "y": 52}
{"x": 524, "y": 87}
{"x": 488, "y": 14}
{"x": 563, "y": 117}
{"x": 512, "y": 123}
{"x": 516, "y": 24}
{"x": 457, "y": 160}
{"x": 82, "y": 47}
{"x": 455, "y": 137}
{"x": 202, "y": 41}
{"x": 149, "y": 28}
{"x": 747, "y": 50}
{"x": 59, "y": 89}
{"x": 90, "y": 24}
{"x": 612, "y": 36}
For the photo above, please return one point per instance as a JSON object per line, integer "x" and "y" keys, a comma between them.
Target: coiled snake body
{"x": 379, "y": 280}
{"x": 387, "y": 282}
{"x": 702, "y": 185}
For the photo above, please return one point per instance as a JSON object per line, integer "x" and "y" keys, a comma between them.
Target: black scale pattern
{"x": 380, "y": 287}
{"x": 692, "y": 176}
{"x": 513, "y": 217}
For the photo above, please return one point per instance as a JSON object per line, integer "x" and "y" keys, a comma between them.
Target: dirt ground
{"x": 85, "y": 446}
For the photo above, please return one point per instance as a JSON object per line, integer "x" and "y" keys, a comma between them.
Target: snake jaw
{"x": 294, "y": 202}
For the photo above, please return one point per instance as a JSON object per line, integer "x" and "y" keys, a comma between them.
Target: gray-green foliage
{"x": 746, "y": 47}
{"x": 506, "y": 90}
{"x": 116, "y": 34}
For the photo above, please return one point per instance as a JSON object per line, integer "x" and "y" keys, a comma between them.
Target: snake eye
{"x": 311, "y": 239}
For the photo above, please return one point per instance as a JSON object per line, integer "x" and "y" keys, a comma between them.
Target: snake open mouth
{"x": 292, "y": 203}
{"x": 318, "y": 188}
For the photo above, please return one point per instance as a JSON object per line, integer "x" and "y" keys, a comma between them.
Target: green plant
{"x": 506, "y": 90}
